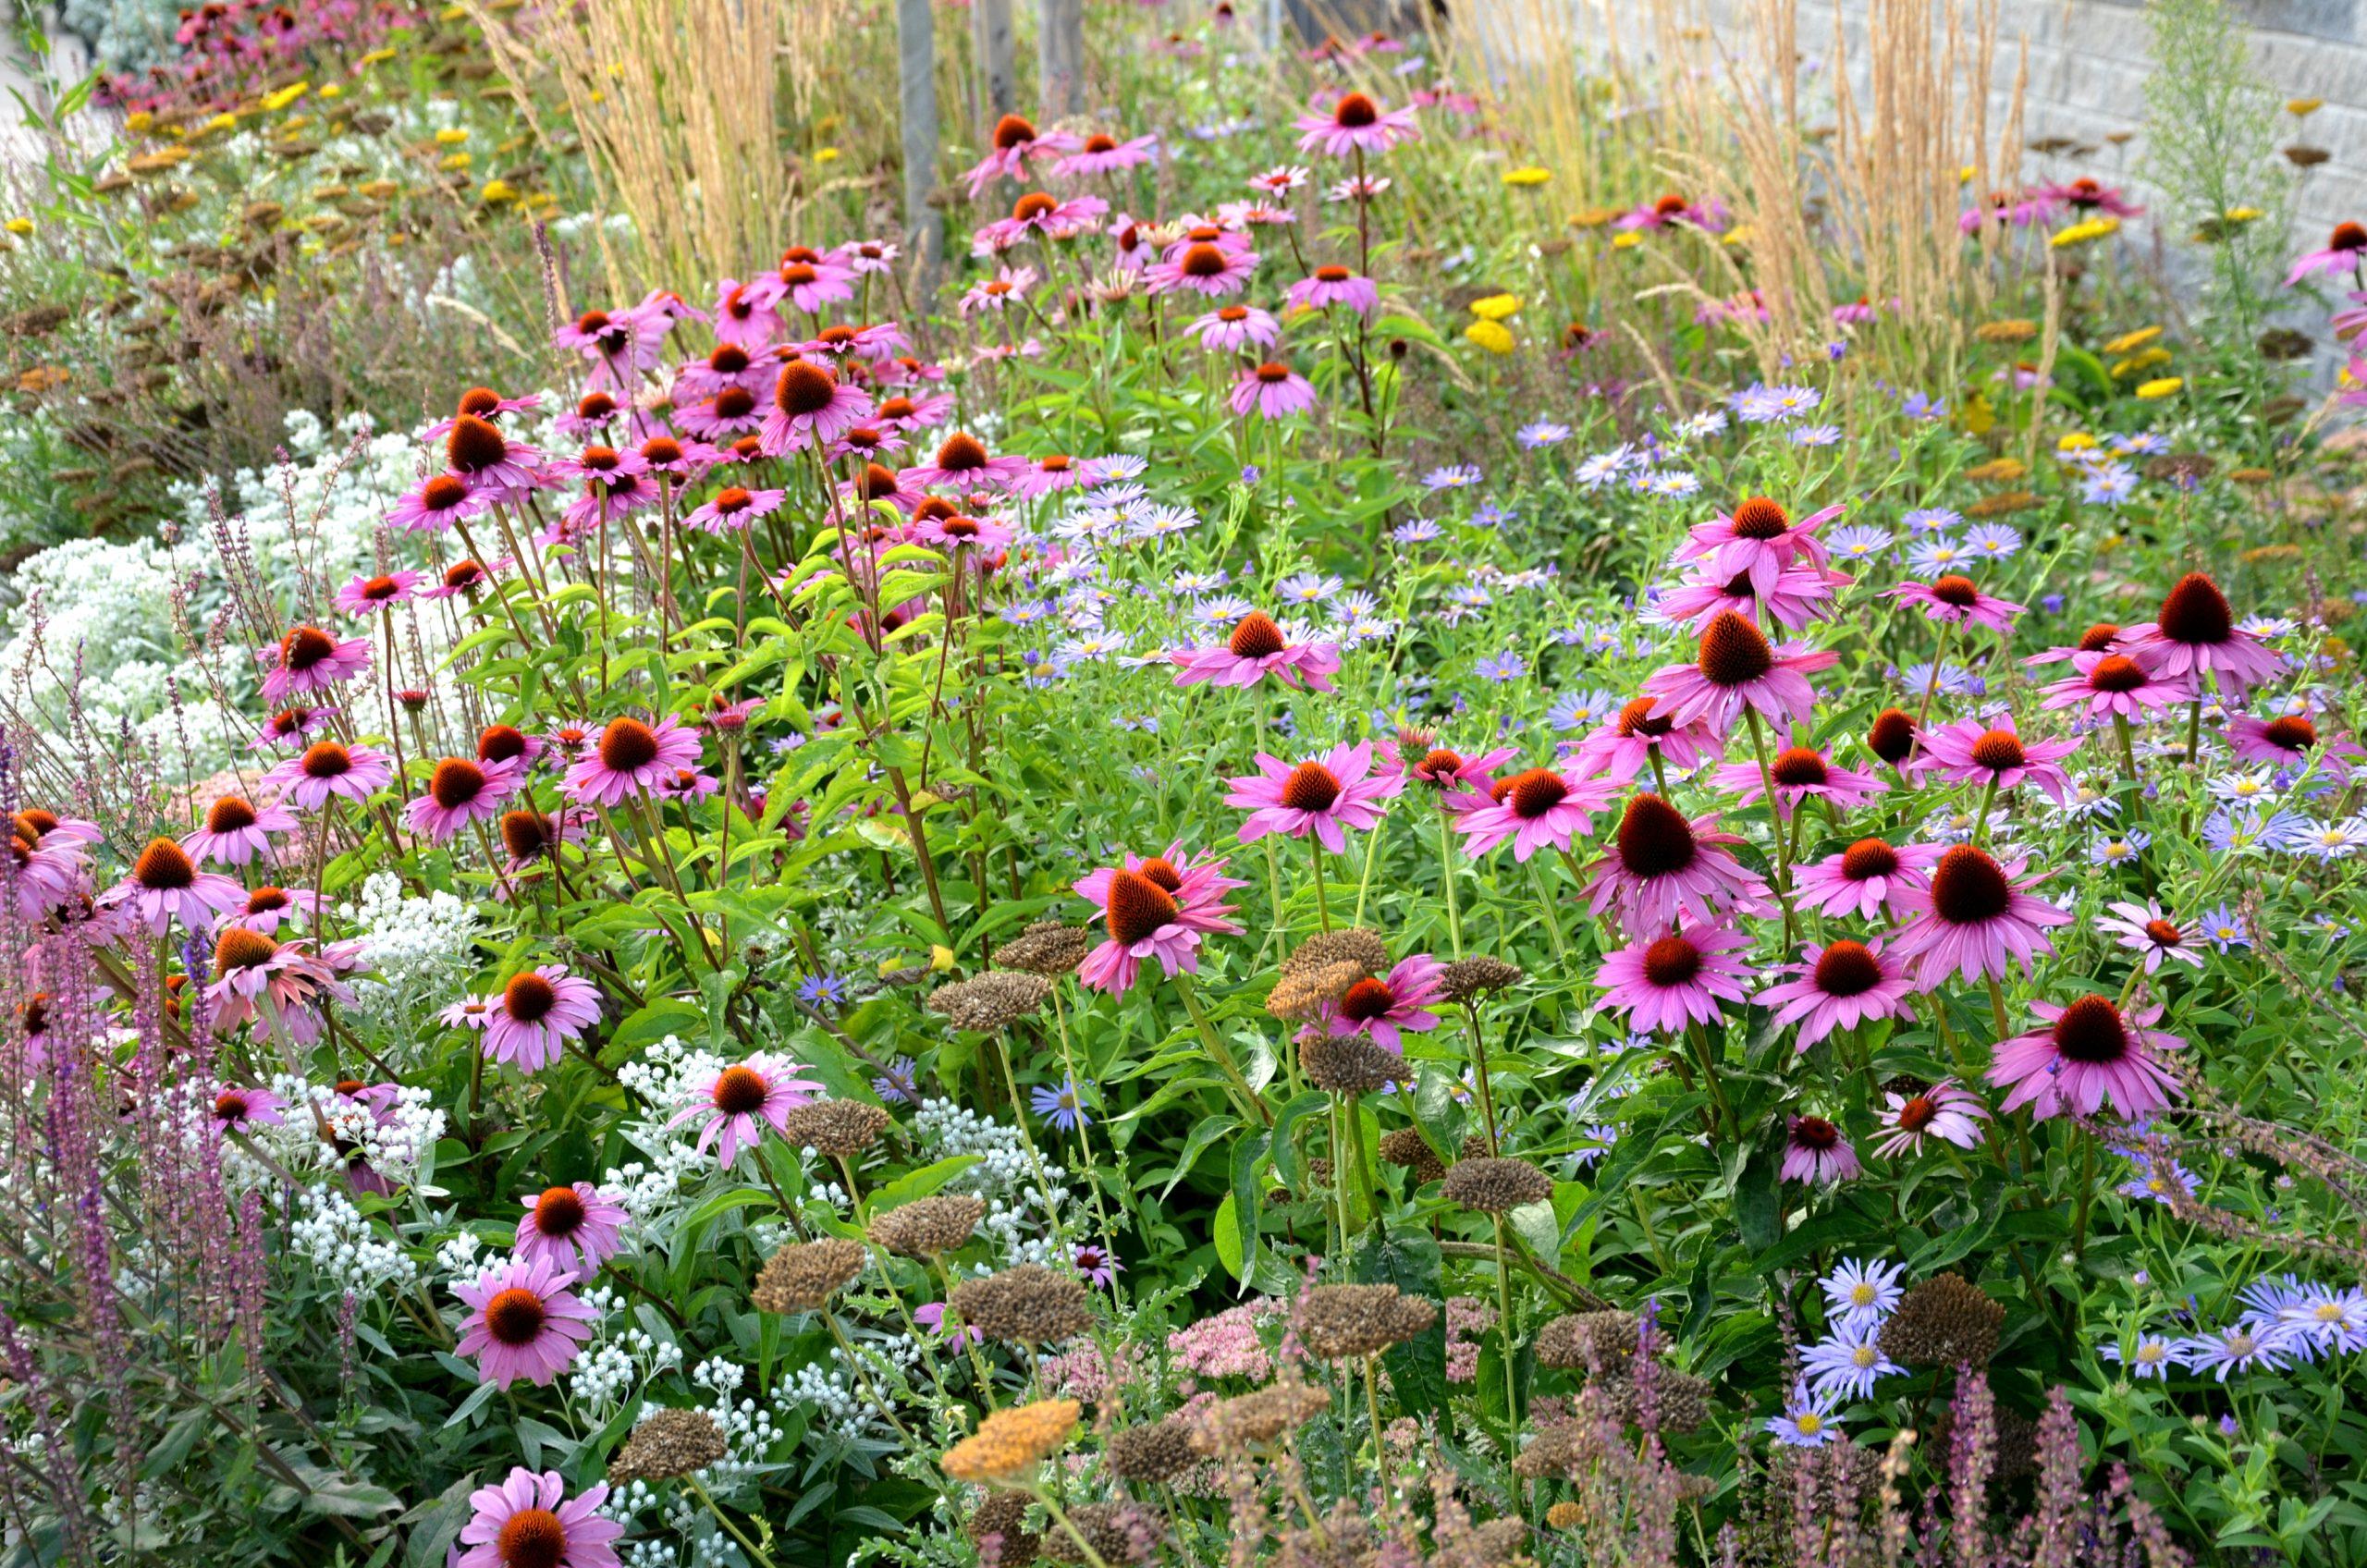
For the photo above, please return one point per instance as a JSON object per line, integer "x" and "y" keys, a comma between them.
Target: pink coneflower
{"x": 482, "y": 402}
{"x": 469, "y": 1012}
{"x": 961, "y": 460}
{"x": 309, "y": 659}
{"x": 1041, "y": 215}
{"x": 2345, "y": 252}
{"x": 166, "y": 885}
{"x": 900, "y": 413}
{"x": 731, "y": 413}
{"x": 1331, "y": 285}
{"x": 1662, "y": 867}
{"x": 2109, "y": 684}
{"x": 292, "y": 723}
{"x": 1102, "y": 154}
{"x": 462, "y": 577}
{"x": 807, "y": 280}
{"x": 732, "y": 509}
{"x": 1146, "y": 919}
{"x": 746, "y": 315}
{"x": 268, "y": 907}
{"x": 329, "y": 768}
{"x": 436, "y": 503}
{"x": 2145, "y": 930}
{"x": 540, "y": 1011}
{"x": 1865, "y": 879}
{"x": 522, "y": 1322}
{"x": 1198, "y": 886}
{"x": 1463, "y": 783}
{"x": 615, "y": 484}
{"x": 458, "y": 792}
{"x": 1014, "y": 141}
{"x": 534, "y": 836}
{"x": 1974, "y": 919}
{"x": 1256, "y": 648}
{"x": 1737, "y": 668}
{"x": 1383, "y": 1006}
{"x": 991, "y": 294}
{"x": 1970, "y": 753}
{"x": 1624, "y": 744}
{"x": 2086, "y": 195}
{"x": 1355, "y": 124}
{"x": 1708, "y": 214}
{"x": 739, "y": 1101}
{"x": 1816, "y": 1151}
{"x": 1322, "y": 796}
{"x": 957, "y": 532}
{"x": 810, "y": 407}
{"x": 616, "y": 345}
{"x": 627, "y": 756}
{"x": 367, "y": 595}
{"x": 237, "y": 830}
{"x": 1274, "y": 390}
{"x": 1047, "y": 474}
{"x": 2287, "y": 742}
{"x": 1945, "y": 1111}
{"x": 576, "y": 1227}
{"x": 1664, "y": 982}
{"x": 1229, "y": 329}
{"x": 591, "y": 415}
{"x": 1841, "y": 986}
{"x": 2193, "y": 634}
{"x": 2097, "y": 638}
{"x": 728, "y": 364}
{"x": 236, "y": 1106}
{"x": 2088, "y": 1055}
{"x": 1203, "y": 266}
{"x": 1759, "y": 537}
{"x": 45, "y": 877}
{"x": 1537, "y": 809}
{"x": 491, "y": 464}
{"x": 253, "y": 972}
{"x": 524, "y": 1523}
{"x": 1800, "y": 595}
{"x": 1953, "y": 599}
{"x": 2006, "y": 209}
{"x": 1801, "y": 773}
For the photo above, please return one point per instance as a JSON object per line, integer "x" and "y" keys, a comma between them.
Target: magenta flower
{"x": 810, "y": 407}
{"x": 1841, "y": 986}
{"x": 460, "y": 792}
{"x": 1203, "y": 266}
{"x": 1015, "y": 141}
{"x": 1622, "y": 745}
{"x": 1273, "y": 391}
{"x": 1256, "y": 648}
{"x": 436, "y": 503}
{"x": 1537, "y": 809}
{"x": 1801, "y": 773}
{"x": 1382, "y": 1006}
{"x": 1966, "y": 753}
{"x": 2088, "y": 1055}
{"x": 2287, "y": 741}
{"x": 524, "y": 1523}
{"x": 2194, "y": 633}
{"x": 1974, "y": 919}
{"x": 960, "y": 532}
{"x": 745, "y": 314}
{"x": 1462, "y": 783}
{"x": 1322, "y": 796}
{"x": 1229, "y": 329}
{"x": 1737, "y": 668}
{"x": 807, "y": 280}
{"x": 1144, "y": 910}
{"x": 961, "y": 460}
{"x": 1102, "y": 153}
{"x": 728, "y": 364}
{"x": 576, "y": 1227}
{"x": 236, "y": 1106}
{"x": 1956, "y": 600}
{"x": 2144, "y": 929}
{"x": 1355, "y": 125}
{"x": 1038, "y": 216}
{"x": 1662, "y": 867}
{"x": 1945, "y": 1111}
{"x": 2109, "y": 684}
{"x": 538, "y": 1013}
{"x": 237, "y": 830}
{"x": 616, "y": 345}
{"x": 1332, "y": 285}
{"x": 732, "y": 509}
{"x": 327, "y": 769}
{"x": 1665, "y": 983}
{"x": 166, "y": 885}
{"x": 1047, "y": 474}
{"x": 739, "y": 1101}
{"x": 1759, "y": 537}
{"x": 522, "y": 1321}
{"x": 365, "y": 596}
{"x": 1816, "y": 1152}
{"x": 1864, "y": 880}
{"x": 2344, "y": 252}
{"x": 1800, "y": 595}
{"x": 309, "y": 659}
{"x": 627, "y": 757}
{"x": 255, "y": 973}
{"x": 1198, "y": 886}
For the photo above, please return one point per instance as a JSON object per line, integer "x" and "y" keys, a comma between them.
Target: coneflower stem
{"x": 1249, "y": 1096}
{"x": 1364, "y": 883}
{"x": 1372, "y": 1414}
{"x": 1776, "y": 824}
{"x": 1446, "y": 881}
{"x": 1323, "y": 902}
{"x": 1480, "y": 1074}
{"x": 737, "y": 1534}
{"x": 2087, "y": 1192}
{"x": 1997, "y": 1010}
{"x": 1505, "y": 1331}
{"x": 1939, "y": 657}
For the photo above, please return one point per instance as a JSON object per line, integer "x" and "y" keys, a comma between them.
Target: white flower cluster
{"x": 651, "y": 1193}
{"x": 622, "y": 1357}
{"x": 463, "y": 1257}
{"x": 420, "y": 948}
{"x": 329, "y": 1233}
{"x": 389, "y": 1130}
{"x": 1016, "y": 1218}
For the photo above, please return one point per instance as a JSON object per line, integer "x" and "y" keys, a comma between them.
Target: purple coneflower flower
{"x": 1663, "y": 866}
{"x": 1537, "y": 809}
{"x": 1322, "y": 796}
{"x": 627, "y": 756}
{"x": 1953, "y": 599}
{"x": 237, "y": 1106}
{"x": 2194, "y": 633}
{"x": 1801, "y": 773}
{"x": 810, "y": 407}
{"x": 237, "y": 830}
{"x": 1382, "y": 1006}
{"x": 522, "y": 1322}
{"x": 1975, "y": 918}
{"x": 2111, "y": 684}
{"x": 739, "y": 1101}
{"x": 1228, "y": 329}
{"x": 1737, "y": 668}
{"x": 1817, "y": 1152}
{"x": 1258, "y": 647}
{"x": 1273, "y": 391}
{"x": 2089, "y": 1055}
{"x": 2144, "y": 929}
{"x": 2344, "y": 252}
{"x": 1333, "y": 285}
{"x": 1624, "y": 744}
{"x": 1944, "y": 1110}
{"x": 1664, "y": 982}
{"x": 1969, "y": 753}
{"x": 1841, "y": 986}
{"x": 1863, "y": 880}
{"x": 166, "y": 885}
{"x": 525, "y": 1522}
{"x": 460, "y": 792}
{"x": 365, "y": 596}
{"x": 1355, "y": 124}
{"x": 577, "y": 1227}
{"x": 309, "y": 659}
{"x": 539, "y": 1012}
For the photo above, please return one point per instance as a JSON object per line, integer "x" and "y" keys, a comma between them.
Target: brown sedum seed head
{"x": 1157, "y": 1453}
{"x": 1407, "y": 1149}
{"x": 1590, "y": 1341}
{"x": 1349, "y": 1064}
{"x": 929, "y": 1227}
{"x": 1350, "y": 1322}
{"x": 1494, "y": 1185}
{"x": 806, "y": 1275}
{"x": 1468, "y": 977}
{"x": 993, "y": 1001}
{"x": 1302, "y": 996}
{"x": 1235, "y": 1425}
{"x": 1027, "y": 1304}
{"x": 1119, "y": 1533}
{"x": 1047, "y": 948}
{"x": 668, "y": 1445}
{"x": 1946, "y": 1321}
{"x": 840, "y": 1129}
{"x": 1009, "y": 1444}
{"x": 1003, "y": 1515}
{"x": 1350, "y": 945}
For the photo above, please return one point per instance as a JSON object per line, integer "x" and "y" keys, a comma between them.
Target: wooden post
{"x": 1059, "y": 56}
{"x": 917, "y": 74}
{"x": 991, "y": 39}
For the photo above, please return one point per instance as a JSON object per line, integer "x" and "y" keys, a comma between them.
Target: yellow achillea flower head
{"x": 275, "y": 101}
{"x": 2143, "y": 359}
{"x": 2162, "y": 387}
{"x": 19, "y": 225}
{"x": 498, "y": 191}
{"x": 1490, "y": 335}
{"x": 1593, "y": 217}
{"x": 2130, "y": 342}
{"x": 2084, "y": 233}
{"x": 1627, "y": 241}
{"x": 2302, "y": 109}
{"x": 1009, "y": 1444}
{"x": 2076, "y": 441}
{"x": 455, "y": 161}
{"x": 1495, "y": 307}
{"x": 452, "y": 135}
{"x": 1530, "y": 175}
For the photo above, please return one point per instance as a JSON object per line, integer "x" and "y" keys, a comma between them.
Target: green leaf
{"x": 920, "y": 1184}
{"x": 1407, "y": 1257}
{"x": 1226, "y": 1234}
